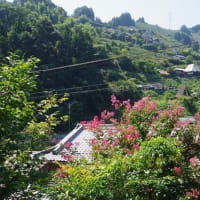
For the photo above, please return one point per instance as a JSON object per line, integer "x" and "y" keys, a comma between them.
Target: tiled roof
{"x": 80, "y": 136}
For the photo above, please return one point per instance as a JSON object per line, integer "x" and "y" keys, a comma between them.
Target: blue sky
{"x": 166, "y": 13}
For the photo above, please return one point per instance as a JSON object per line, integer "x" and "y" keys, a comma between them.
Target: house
{"x": 190, "y": 70}
{"x": 159, "y": 87}
{"x": 179, "y": 71}
{"x": 80, "y": 138}
{"x": 178, "y": 57}
{"x": 163, "y": 73}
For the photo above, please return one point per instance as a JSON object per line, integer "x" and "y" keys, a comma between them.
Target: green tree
{"x": 196, "y": 28}
{"x": 45, "y": 8}
{"x": 124, "y": 20}
{"x": 195, "y": 46}
{"x": 3, "y": 1}
{"x": 141, "y": 20}
{"x": 24, "y": 127}
{"x": 184, "y": 29}
{"x": 84, "y": 10}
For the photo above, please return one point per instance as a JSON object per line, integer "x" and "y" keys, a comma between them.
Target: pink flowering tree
{"x": 145, "y": 153}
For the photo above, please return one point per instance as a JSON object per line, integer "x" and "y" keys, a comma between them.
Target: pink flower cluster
{"x": 115, "y": 102}
{"x": 177, "y": 170}
{"x": 183, "y": 124}
{"x": 145, "y": 104}
{"x": 194, "y": 162}
{"x": 67, "y": 157}
{"x": 105, "y": 115}
{"x": 194, "y": 194}
{"x": 60, "y": 173}
{"x": 94, "y": 125}
{"x": 127, "y": 104}
{"x": 68, "y": 145}
{"x": 172, "y": 113}
{"x": 129, "y": 133}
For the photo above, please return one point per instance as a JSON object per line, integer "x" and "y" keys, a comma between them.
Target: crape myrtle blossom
{"x": 105, "y": 115}
{"x": 70, "y": 150}
{"x": 177, "y": 170}
{"x": 143, "y": 114}
{"x": 142, "y": 120}
{"x": 194, "y": 162}
{"x": 172, "y": 113}
{"x": 60, "y": 173}
{"x": 145, "y": 104}
{"x": 194, "y": 194}
{"x": 68, "y": 145}
{"x": 145, "y": 135}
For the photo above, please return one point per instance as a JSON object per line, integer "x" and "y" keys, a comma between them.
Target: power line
{"x": 80, "y": 64}
{"x": 71, "y": 93}
{"x": 67, "y": 89}
{"x": 84, "y": 91}
{"x": 101, "y": 60}
{"x": 86, "y": 63}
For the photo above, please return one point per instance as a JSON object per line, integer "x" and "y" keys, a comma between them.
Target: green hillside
{"x": 138, "y": 52}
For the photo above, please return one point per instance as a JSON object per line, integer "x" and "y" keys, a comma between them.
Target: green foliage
{"x": 45, "y": 8}
{"x": 196, "y": 28}
{"x": 158, "y": 154}
{"x": 185, "y": 29}
{"x": 141, "y": 20}
{"x": 41, "y": 29}
{"x": 195, "y": 46}
{"x": 84, "y": 10}
{"x": 124, "y": 20}
{"x": 24, "y": 127}
{"x": 183, "y": 37}
{"x": 95, "y": 181}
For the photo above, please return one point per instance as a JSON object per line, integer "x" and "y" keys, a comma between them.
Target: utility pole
{"x": 69, "y": 116}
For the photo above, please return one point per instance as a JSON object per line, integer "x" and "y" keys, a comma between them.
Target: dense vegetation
{"x": 24, "y": 127}
{"x": 141, "y": 157}
{"x": 32, "y": 106}
{"x": 43, "y": 30}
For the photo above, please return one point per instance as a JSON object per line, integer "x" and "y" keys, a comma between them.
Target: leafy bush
{"x": 24, "y": 127}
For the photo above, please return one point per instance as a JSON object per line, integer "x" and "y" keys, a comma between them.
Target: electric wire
{"x": 86, "y": 63}
{"x": 83, "y": 91}
{"x": 101, "y": 60}
{"x": 67, "y": 89}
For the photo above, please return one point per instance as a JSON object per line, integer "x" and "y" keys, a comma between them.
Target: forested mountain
{"x": 41, "y": 29}
{"x": 45, "y": 8}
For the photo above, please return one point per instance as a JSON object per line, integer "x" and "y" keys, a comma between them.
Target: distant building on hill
{"x": 190, "y": 70}
{"x": 158, "y": 87}
{"x": 178, "y": 57}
